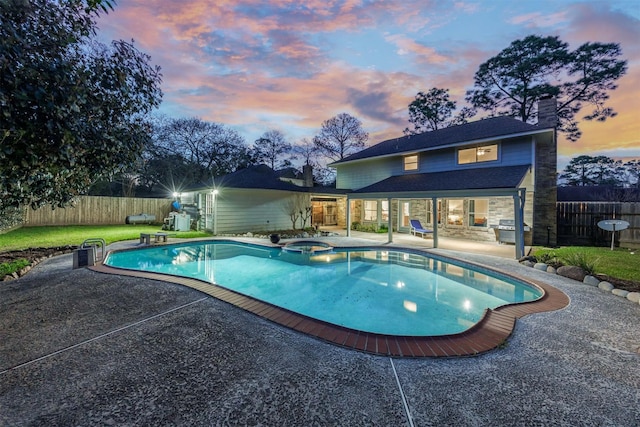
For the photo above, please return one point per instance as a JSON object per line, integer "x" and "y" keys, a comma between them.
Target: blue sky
{"x": 290, "y": 64}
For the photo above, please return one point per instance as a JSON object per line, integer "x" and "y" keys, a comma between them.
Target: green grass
{"x": 620, "y": 263}
{"x": 51, "y": 236}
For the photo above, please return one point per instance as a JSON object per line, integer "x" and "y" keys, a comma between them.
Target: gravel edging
{"x": 33, "y": 262}
{"x": 588, "y": 280}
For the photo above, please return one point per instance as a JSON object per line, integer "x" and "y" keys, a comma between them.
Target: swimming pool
{"x": 379, "y": 291}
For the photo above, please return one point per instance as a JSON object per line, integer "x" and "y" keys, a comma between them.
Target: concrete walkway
{"x": 83, "y": 348}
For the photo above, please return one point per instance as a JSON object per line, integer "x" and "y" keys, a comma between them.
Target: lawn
{"x": 620, "y": 263}
{"x": 51, "y": 236}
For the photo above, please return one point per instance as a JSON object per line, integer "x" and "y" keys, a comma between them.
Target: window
{"x": 385, "y": 211}
{"x": 485, "y": 153}
{"x": 478, "y": 212}
{"x": 370, "y": 210}
{"x": 428, "y": 211}
{"x": 411, "y": 162}
{"x": 406, "y": 211}
{"x": 455, "y": 212}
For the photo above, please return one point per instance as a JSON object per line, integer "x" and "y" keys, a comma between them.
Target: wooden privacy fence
{"x": 578, "y": 223}
{"x": 98, "y": 210}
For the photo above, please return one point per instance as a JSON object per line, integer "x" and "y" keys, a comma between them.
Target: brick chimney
{"x": 546, "y": 165}
{"x": 307, "y": 176}
{"x": 547, "y": 112}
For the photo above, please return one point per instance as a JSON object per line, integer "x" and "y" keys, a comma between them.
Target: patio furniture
{"x": 417, "y": 228}
{"x": 158, "y": 237}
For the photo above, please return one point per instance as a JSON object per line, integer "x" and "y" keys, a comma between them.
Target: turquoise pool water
{"x": 372, "y": 290}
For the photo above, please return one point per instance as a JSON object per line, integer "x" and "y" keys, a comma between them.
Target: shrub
{"x": 548, "y": 258}
{"x": 582, "y": 260}
{"x": 13, "y": 266}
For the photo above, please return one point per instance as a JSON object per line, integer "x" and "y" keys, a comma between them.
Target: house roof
{"x": 258, "y": 177}
{"x": 289, "y": 172}
{"x": 264, "y": 178}
{"x": 506, "y": 177}
{"x": 491, "y": 128}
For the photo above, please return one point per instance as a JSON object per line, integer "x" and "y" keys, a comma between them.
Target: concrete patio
{"x": 446, "y": 243}
{"x": 82, "y": 348}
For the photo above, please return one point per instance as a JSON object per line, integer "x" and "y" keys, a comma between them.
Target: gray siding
{"x": 354, "y": 176}
{"x": 362, "y": 174}
{"x": 242, "y": 210}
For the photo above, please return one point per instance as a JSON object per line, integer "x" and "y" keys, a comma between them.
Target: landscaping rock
{"x": 572, "y": 272}
{"x": 606, "y": 286}
{"x": 591, "y": 281}
{"x": 527, "y": 263}
{"x": 540, "y": 266}
{"x": 551, "y": 270}
{"x": 620, "y": 292}
{"x": 634, "y": 297}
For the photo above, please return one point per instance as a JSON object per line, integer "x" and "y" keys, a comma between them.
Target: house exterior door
{"x": 208, "y": 211}
{"x": 404, "y": 216}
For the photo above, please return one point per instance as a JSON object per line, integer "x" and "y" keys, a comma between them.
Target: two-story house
{"x": 460, "y": 181}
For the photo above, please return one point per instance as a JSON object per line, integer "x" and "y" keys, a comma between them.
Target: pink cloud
{"x": 539, "y": 19}
{"x": 422, "y": 53}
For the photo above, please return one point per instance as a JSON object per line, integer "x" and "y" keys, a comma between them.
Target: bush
{"x": 582, "y": 260}
{"x": 13, "y": 266}
{"x": 548, "y": 258}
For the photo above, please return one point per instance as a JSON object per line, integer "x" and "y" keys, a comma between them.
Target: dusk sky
{"x": 291, "y": 64}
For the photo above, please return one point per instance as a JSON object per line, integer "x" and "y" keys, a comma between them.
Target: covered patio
{"x": 445, "y": 243}
{"x": 501, "y": 186}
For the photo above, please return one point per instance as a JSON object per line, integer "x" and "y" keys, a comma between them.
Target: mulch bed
{"x": 627, "y": 285}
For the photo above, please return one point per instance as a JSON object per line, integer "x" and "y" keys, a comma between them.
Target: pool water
{"x": 371, "y": 290}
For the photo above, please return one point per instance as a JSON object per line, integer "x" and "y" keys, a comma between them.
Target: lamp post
{"x": 215, "y": 212}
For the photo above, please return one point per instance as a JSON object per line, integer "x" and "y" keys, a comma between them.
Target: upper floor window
{"x": 411, "y": 162}
{"x": 485, "y": 153}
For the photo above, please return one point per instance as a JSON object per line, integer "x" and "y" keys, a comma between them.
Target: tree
{"x": 195, "y": 148}
{"x": 430, "y": 111}
{"x": 341, "y": 136}
{"x": 271, "y": 149}
{"x": 631, "y": 171}
{"x": 73, "y": 110}
{"x": 433, "y": 111}
{"x": 512, "y": 82}
{"x": 307, "y": 150}
{"x": 587, "y": 170}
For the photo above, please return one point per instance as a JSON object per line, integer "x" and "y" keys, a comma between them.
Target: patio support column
{"x": 518, "y": 208}
{"x": 434, "y": 220}
{"x": 389, "y": 220}
{"x": 348, "y": 216}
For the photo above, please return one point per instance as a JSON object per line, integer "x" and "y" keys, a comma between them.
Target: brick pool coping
{"x": 490, "y": 332}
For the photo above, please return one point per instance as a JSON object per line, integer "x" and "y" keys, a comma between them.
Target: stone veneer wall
{"x": 499, "y": 208}
{"x": 341, "y": 211}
